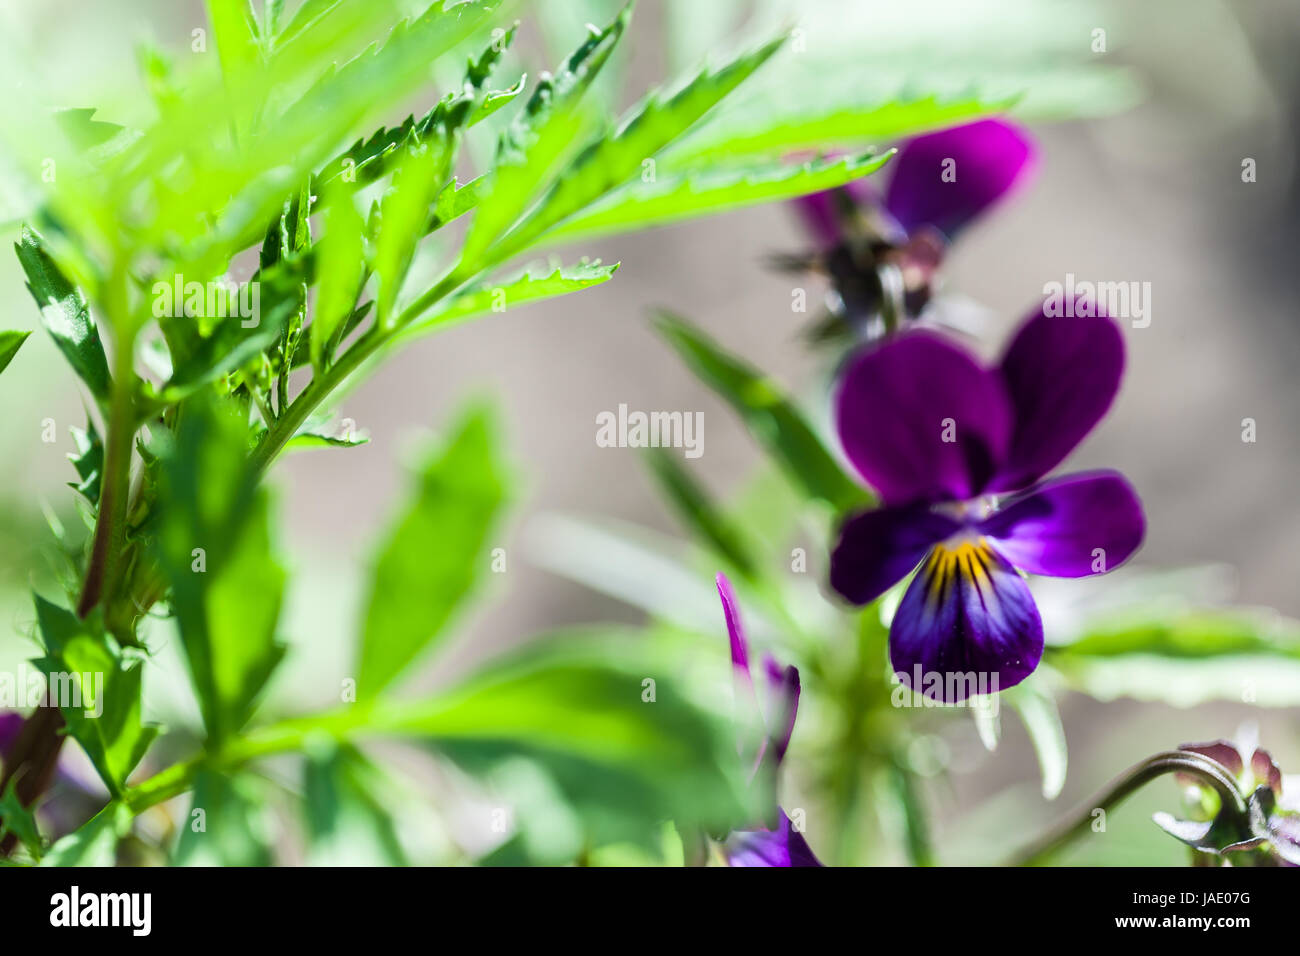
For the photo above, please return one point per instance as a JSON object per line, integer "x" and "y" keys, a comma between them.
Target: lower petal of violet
{"x": 1073, "y": 527}
{"x": 967, "y": 625}
{"x": 782, "y": 846}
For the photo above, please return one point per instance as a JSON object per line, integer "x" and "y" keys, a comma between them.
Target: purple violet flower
{"x": 956, "y": 450}
{"x": 875, "y": 248}
{"x": 764, "y": 735}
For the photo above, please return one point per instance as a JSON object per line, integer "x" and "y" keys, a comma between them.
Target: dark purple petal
{"x": 783, "y": 690}
{"x": 948, "y": 178}
{"x": 1072, "y": 527}
{"x": 11, "y": 724}
{"x": 877, "y": 549}
{"x": 1265, "y": 771}
{"x": 921, "y": 421}
{"x": 783, "y": 846}
{"x": 1062, "y": 373}
{"x": 966, "y": 625}
{"x": 1221, "y": 751}
{"x": 751, "y": 736}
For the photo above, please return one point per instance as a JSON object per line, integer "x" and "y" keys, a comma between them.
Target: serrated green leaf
{"x": 435, "y": 552}
{"x": 371, "y": 158}
{"x": 612, "y": 160}
{"x": 214, "y": 550}
{"x": 770, "y": 416}
{"x": 675, "y": 197}
{"x": 95, "y": 843}
{"x": 88, "y": 460}
{"x": 98, "y": 690}
{"x": 532, "y": 148}
{"x": 226, "y": 825}
{"x": 505, "y": 295}
{"x": 341, "y": 265}
{"x": 10, "y": 343}
{"x": 694, "y": 506}
{"x": 319, "y": 434}
{"x": 65, "y": 314}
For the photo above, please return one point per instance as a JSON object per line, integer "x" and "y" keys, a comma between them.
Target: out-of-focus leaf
{"x": 529, "y": 286}
{"x": 677, "y": 196}
{"x": 1037, "y": 708}
{"x": 629, "y": 563}
{"x": 612, "y": 160}
{"x": 624, "y": 753}
{"x": 1185, "y": 656}
{"x": 755, "y": 133}
{"x": 347, "y": 822}
{"x": 771, "y": 417}
{"x": 1196, "y": 633}
{"x": 95, "y": 843}
{"x": 226, "y": 825}
{"x": 18, "y": 820}
{"x": 532, "y": 148}
{"x": 692, "y": 503}
{"x": 403, "y": 215}
{"x": 10, "y": 343}
{"x": 435, "y": 552}
{"x": 65, "y": 314}
{"x": 97, "y": 688}
{"x": 214, "y": 550}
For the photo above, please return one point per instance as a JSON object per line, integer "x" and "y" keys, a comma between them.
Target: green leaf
{"x": 700, "y": 513}
{"x": 95, "y": 843}
{"x": 64, "y": 313}
{"x": 1037, "y": 708}
{"x": 434, "y": 553}
{"x": 527, "y": 287}
{"x": 403, "y": 216}
{"x": 612, "y": 160}
{"x": 762, "y": 130}
{"x": 347, "y": 823}
{"x": 235, "y": 340}
{"x": 18, "y": 820}
{"x": 320, "y": 435}
{"x": 369, "y": 159}
{"x": 98, "y": 689}
{"x": 532, "y": 149}
{"x": 226, "y": 825}
{"x": 678, "y": 196}
{"x": 770, "y": 416}
{"x": 214, "y": 550}
{"x": 622, "y": 753}
{"x": 341, "y": 266}
{"x": 89, "y": 462}
{"x": 10, "y": 343}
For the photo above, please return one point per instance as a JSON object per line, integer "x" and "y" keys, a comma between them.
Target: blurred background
{"x": 1147, "y": 186}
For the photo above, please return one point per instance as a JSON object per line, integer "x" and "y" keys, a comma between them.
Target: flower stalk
{"x": 1208, "y": 771}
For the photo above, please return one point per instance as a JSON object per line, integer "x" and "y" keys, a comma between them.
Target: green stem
{"x": 1136, "y": 777}
{"x": 103, "y": 568}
